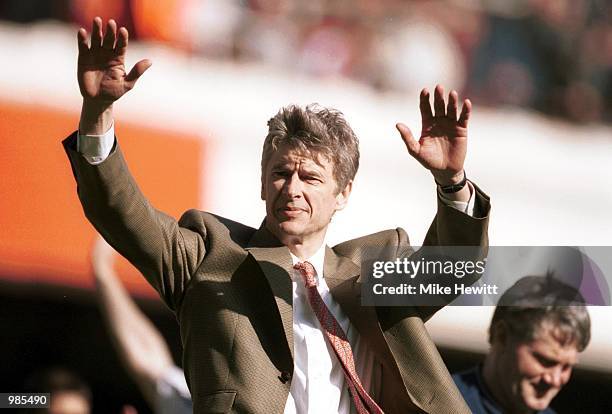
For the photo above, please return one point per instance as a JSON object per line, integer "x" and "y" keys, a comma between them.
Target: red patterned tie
{"x": 338, "y": 340}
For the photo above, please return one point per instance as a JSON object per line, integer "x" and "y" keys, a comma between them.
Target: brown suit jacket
{"x": 230, "y": 288}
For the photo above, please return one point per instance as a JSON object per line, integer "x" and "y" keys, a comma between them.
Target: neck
{"x": 303, "y": 251}
{"x": 303, "y": 248}
{"x": 492, "y": 378}
{"x": 304, "y": 245}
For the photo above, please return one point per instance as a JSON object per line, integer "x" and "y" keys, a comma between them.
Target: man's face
{"x": 533, "y": 373}
{"x": 301, "y": 195}
{"x": 68, "y": 402}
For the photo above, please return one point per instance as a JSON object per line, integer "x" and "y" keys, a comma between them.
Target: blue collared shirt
{"x": 477, "y": 396}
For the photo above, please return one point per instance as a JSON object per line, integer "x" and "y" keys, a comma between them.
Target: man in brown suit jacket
{"x": 233, "y": 287}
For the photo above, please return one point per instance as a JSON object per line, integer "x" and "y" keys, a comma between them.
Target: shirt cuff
{"x": 172, "y": 381}
{"x": 95, "y": 148}
{"x": 171, "y": 393}
{"x": 466, "y": 207}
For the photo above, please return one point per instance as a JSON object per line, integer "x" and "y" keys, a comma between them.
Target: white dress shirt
{"x": 318, "y": 383}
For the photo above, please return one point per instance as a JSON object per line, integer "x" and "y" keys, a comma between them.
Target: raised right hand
{"x": 101, "y": 66}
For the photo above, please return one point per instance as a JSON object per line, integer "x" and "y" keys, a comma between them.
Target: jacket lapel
{"x": 342, "y": 277}
{"x": 275, "y": 262}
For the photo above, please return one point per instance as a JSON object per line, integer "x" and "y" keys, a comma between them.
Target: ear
{"x": 343, "y": 196}
{"x": 263, "y": 192}
{"x": 500, "y": 334}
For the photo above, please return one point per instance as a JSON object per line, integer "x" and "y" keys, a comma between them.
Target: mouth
{"x": 289, "y": 212}
{"x": 541, "y": 389}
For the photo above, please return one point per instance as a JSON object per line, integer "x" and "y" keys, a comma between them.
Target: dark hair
{"x": 315, "y": 130}
{"x": 535, "y": 302}
{"x": 58, "y": 379}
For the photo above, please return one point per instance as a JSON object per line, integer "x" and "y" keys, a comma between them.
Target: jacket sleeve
{"x": 452, "y": 229}
{"x": 165, "y": 251}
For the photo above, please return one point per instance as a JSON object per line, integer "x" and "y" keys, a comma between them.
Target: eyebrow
{"x": 310, "y": 168}
{"x": 551, "y": 359}
{"x": 311, "y": 171}
{"x": 283, "y": 164}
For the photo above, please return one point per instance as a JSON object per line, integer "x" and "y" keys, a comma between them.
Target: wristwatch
{"x": 453, "y": 188}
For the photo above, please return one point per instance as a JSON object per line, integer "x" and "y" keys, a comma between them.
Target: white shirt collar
{"x": 317, "y": 260}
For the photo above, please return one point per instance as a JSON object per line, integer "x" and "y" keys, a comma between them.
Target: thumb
{"x": 411, "y": 143}
{"x": 137, "y": 71}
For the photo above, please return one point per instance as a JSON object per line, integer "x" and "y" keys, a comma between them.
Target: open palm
{"x": 101, "y": 65}
{"x": 442, "y": 145}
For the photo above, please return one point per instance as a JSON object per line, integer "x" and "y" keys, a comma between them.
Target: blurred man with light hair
{"x": 69, "y": 393}
{"x": 539, "y": 327}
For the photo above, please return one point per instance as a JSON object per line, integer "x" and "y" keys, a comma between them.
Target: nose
{"x": 293, "y": 186}
{"x": 554, "y": 376}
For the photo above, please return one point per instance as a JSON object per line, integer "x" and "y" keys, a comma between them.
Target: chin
{"x": 538, "y": 404}
{"x": 290, "y": 228}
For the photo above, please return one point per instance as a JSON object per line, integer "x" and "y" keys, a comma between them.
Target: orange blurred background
{"x": 44, "y": 235}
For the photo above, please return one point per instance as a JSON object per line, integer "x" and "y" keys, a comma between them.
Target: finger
{"x": 82, "y": 41}
{"x": 439, "y": 101}
{"x": 122, "y": 41}
{"x": 425, "y": 106}
{"x": 137, "y": 71}
{"x": 451, "y": 109}
{"x": 110, "y": 36}
{"x": 411, "y": 143}
{"x": 96, "y": 33}
{"x": 466, "y": 111}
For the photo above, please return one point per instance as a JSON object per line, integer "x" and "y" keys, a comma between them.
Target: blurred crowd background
{"x": 554, "y": 56}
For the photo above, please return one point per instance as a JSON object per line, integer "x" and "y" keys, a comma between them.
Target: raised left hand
{"x": 443, "y": 142}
